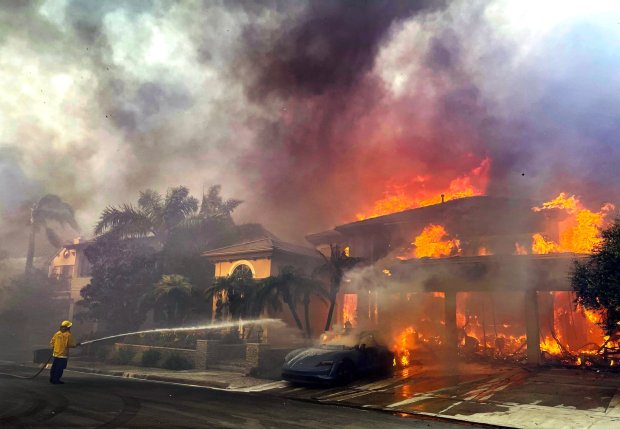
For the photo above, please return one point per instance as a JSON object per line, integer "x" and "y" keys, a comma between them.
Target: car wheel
{"x": 346, "y": 372}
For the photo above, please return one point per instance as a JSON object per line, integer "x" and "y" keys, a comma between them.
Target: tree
{"x": 596, "y": 281}
{"x": 174, "y": 294}
{"x": 50, "y": 208}
{"x": 233, "y": 296}
{"x": 123, "y": 272}
{"x": 332, "y": 272}
{"x": 293, "y": 288}
{"x": 212, "y": 225}
{"x": 154, "y": 216}
{"x": 283, "y": 286}
{"x": 307, "y": 288}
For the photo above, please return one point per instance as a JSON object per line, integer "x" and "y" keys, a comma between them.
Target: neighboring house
{"x": 265, "y": 257}
{"x": 71, "y": 267}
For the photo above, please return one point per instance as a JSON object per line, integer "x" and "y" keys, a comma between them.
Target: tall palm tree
{"x": 174, "y": 294}
{"x": 212, "y": 224}
{"x": 154, "y": 216}
{"x": 235, "y": 294}
{"x": 332, "y": 271}
{"x": 213, "y": 205}
{"x": 306, "y": 288}
{"x": 50, "y": 208}
{"x": 285, "y": 286}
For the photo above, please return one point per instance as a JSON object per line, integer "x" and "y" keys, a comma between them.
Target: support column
{"x": 450, "y": 320}
{"x": 206, "y": 353}
{"x": 532, "y": 327}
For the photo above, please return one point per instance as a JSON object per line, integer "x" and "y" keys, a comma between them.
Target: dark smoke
{"x": 308, "y": 111}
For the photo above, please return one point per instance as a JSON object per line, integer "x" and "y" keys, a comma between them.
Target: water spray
{"x": 161, "y": 330}
{"x": 187, "y": 328}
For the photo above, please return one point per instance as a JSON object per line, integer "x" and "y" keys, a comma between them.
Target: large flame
{"x": 398, "y": 197}
{"x": 433, "y": 242}
{"x": 402, "y": 346}
{"x": 579, "y": 233}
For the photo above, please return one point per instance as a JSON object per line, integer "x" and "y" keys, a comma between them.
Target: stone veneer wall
{"x": 188, "y": 354}
{"x": 264, "y": 360}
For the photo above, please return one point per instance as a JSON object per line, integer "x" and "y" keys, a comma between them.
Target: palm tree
{"x": 174, "y": 294}
{"x": 234, "y": 293}
{"x": 284, "y": 285}
{"x": 212, "y": 224}
{"x": 333, "y": 271}
{"x": 307, "y": 287}
{"x": 214, "y": 207}
{"x": 154, "y": 216}
{"x": 50, "y": 208}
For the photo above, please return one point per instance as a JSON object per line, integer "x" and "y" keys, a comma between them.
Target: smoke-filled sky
{"x": 308, "y": 111}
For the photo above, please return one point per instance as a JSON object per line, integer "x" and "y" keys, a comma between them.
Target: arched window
{"x": 242, "y": 271}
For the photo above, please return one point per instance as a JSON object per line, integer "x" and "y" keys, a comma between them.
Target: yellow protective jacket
{"x": 61, "y": 342}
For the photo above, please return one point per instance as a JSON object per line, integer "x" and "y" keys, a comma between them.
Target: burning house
{"x": 478, "y": 273}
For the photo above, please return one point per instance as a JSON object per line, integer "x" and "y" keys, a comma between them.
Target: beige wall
{"x": 261, "y": 268}
{"x": 66, "y": 266}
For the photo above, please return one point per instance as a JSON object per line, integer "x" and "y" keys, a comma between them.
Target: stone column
{"x": 255, "y": 356}
{"x": 450, "y": 320}
{"x": 206, "y": 353}
{"x": 532, "y": 327}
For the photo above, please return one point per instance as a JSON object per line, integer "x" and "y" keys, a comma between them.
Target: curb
{"x": 151, "y": 377}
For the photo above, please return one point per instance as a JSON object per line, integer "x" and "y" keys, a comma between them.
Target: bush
{"x": 150, "y": 357}
{"x": 124, "y": 355}
{"x": 177, "y": 362}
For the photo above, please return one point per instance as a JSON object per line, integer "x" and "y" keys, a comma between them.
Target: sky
{"x": 310, "y": 112}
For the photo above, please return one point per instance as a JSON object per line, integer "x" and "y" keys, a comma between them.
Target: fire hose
{"x": 31, "y": 376}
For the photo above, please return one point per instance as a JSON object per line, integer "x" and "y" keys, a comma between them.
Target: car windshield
{"x": 335, "y": 347}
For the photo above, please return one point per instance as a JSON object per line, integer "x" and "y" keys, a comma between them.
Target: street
{"x": 94, "y": 401}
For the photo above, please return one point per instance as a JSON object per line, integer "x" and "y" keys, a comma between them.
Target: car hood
{"x": 309, "y": 358}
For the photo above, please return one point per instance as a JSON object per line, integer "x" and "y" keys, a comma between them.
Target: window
{"x": 242, "y": 271}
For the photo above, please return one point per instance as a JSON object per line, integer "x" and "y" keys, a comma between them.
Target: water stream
{"x": 191, "y": 328}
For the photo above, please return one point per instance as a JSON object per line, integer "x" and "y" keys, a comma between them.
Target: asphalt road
{"x": 93, "y": 401}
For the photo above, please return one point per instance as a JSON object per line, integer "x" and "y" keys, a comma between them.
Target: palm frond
{"x": 151, "y": 202}
{"x": 178, "y": 205}
{"x": 52, "y": 207}
{"x": 124, "y": 222}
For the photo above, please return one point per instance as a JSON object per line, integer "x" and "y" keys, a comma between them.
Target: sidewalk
{"x": 206, "y": 378}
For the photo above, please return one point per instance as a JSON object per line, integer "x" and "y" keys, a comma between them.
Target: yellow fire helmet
{"x": 66, "y": 324}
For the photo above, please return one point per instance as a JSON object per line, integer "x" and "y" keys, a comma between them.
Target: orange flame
{"x": 580, "y": 233}
{"x": 432, "y": 243}
{"x": 349, "y": 308}
{"x": 550, "y": 346}
{"x": 396, "y": 199}
{"x": 402, "y": 347}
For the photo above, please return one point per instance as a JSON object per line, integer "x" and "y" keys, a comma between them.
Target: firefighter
{"x": 61, "y": 342}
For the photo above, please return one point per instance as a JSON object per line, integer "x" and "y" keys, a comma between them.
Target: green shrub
{"x": 177, "y": 362}
{"x": 150, "y": 357}
{"x": 124, "y": 355}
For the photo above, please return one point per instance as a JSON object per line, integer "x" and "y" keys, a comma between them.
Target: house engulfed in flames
{"x": 477, "y": 273}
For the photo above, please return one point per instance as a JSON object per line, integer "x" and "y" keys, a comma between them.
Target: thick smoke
{"x": 307, "y": 111}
